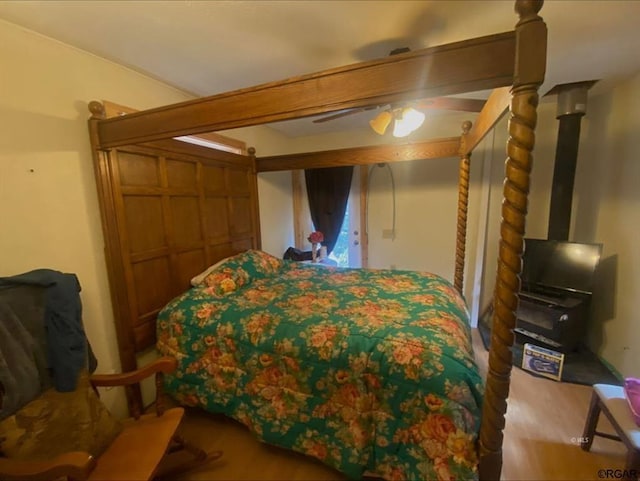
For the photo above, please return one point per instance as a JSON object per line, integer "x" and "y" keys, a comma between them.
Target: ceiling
{"x": 208, "y": 47}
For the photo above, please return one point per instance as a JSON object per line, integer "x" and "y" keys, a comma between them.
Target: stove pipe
{"x": 572, "y": 105}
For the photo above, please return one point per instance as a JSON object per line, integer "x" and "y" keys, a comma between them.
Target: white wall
{"x": 606, "y": 209}
{"x": 49, "y": 213}
{"x": 276, "y": 212}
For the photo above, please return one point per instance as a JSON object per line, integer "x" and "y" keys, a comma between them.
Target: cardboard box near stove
{"x": 544, "y": 362}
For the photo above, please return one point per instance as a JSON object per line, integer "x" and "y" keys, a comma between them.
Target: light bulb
{"x": 381, "y": 122}
{"x": 408, "y": 121}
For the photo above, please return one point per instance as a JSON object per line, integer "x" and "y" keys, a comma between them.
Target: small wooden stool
{"x": 612, "y": 402}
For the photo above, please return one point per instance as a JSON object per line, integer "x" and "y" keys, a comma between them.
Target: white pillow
{"x": 199, "y": 279}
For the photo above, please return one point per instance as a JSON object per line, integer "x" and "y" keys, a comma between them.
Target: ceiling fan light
{"x": 413, "y": 117}
{"x": 409, "y": 120}
{"x": 380, "y": 123}
{"x": 400, "y": 129}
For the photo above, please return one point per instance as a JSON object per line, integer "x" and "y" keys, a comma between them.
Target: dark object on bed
{"x": 293, "y": 254}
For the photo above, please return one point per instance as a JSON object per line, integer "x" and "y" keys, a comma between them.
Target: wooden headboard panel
{"x": 169, "y": 210}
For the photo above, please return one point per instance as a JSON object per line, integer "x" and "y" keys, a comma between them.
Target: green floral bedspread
{"x": 367, "y": 370}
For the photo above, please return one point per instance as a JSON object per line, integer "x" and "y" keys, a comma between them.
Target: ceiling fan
{"x": 433, "y": 103}
{"x": 410, "y": 110}
{"x": 407, "y": 117}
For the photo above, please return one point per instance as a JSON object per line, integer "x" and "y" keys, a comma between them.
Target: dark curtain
{"x": 328, "y": 193}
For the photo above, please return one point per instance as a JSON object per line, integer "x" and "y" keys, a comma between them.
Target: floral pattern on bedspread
{"x": 367, "y": 370}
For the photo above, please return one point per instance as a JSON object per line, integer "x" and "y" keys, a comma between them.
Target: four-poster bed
{"x": 171, "y": 209}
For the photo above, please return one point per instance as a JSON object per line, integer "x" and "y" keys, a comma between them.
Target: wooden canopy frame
{"x": 513, "y": 63}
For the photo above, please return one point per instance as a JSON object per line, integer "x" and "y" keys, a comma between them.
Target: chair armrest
{"x": 164, "y": 365}
{"x": 159, "y": 367}
{"x": 75, "y": 465}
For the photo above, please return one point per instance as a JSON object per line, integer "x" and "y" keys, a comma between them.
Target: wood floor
{"x": 544, "y": 421}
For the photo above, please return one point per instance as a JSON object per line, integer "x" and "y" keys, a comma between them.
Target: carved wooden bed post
{"x": 463, "y": 203}
{"x": 531, "y": 34}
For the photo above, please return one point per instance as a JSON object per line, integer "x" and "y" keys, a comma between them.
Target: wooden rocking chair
{"x": 136, "y": 452}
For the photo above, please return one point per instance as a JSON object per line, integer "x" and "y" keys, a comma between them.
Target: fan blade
{"x": 451, "y": 103}
{"x": 344, "y": 113}
{"x": 339, "y": 115}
